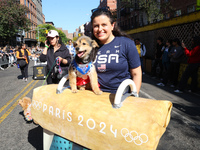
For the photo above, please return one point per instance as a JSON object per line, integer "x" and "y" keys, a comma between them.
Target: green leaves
{"x": 12, "y": 18}
{"x": 42, "y": 33}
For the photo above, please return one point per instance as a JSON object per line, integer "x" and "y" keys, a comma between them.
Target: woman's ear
{"x": 113, "y": 25}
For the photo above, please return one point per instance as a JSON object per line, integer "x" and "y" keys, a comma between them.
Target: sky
{"x": 68, "y": 14}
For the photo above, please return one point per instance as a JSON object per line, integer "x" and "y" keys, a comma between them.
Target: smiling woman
{"x": 117, "y": 59}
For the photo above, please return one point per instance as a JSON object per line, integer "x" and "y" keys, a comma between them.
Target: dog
{"x": 82, "y": 71}
{"x": 25, "y": 103}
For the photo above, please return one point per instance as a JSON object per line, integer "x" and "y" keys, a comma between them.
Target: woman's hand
{"x": 183, "y": 45}
{"x": 46, "y": 43}
{"x": 62, "y": 60}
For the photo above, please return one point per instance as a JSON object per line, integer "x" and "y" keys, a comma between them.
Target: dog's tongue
{"x": 80, "y": 54}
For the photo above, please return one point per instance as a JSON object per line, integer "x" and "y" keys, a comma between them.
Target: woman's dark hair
{"x": 196, "y": 41}
{"x": 177, "y": 41}
{"x": 137, "y": 39}
{"x": 60, "y": 40}
{"x": 169, "y": 41}
{"x": 20, "y": 46}
{"x": 160, "y": 38}
{"x": 116, "y": 30}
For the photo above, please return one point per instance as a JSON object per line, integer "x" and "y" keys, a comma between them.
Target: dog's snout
{"x": 77, "y": 48}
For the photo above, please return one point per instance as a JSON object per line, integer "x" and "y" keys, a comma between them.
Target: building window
{"x": 177, "y": 13}
{"x": 28, "y": 4}
{"x": 190, "y": 8}
{"x": 25, "y": 2}
{"x": 167, "y": 16}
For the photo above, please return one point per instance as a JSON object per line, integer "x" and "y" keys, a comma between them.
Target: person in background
{"x": 23, "y": 53}
{"x": 158, "y": 57}
{"x": 175, "y": 54}
{"x": 117, "y": 58}
{"x": 165, "y": 57}
{"x": 141, "y": 51}
{"x": 54, "y": 48}
{"x": 1, "y": 55}
{"x": 71, "y": 48}
{"x": 192, "y": 68}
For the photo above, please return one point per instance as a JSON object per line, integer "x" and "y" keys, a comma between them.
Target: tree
{"x": 152, "y": 8}
{"x": 47, "y": 27}
{"x": 12, "y": 19}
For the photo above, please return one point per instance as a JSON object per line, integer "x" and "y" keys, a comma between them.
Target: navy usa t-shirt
{"x": 114, "y": 61}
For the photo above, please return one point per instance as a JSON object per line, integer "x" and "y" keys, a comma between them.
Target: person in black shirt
{"x": 158, "y": 58}
{"x": 54, "y": 48}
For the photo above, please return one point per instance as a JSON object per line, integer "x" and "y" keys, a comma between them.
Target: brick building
{"x": 110, "y": 3}
{"x": 36, "y": 17}
{"x": 68, "y": 35}
{"x": 131, "y": 16}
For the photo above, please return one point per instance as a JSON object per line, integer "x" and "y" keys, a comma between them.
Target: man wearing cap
{"x": 55, "y": 49}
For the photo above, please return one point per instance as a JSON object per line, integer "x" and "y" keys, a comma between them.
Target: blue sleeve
{"x": 132, "y": 55}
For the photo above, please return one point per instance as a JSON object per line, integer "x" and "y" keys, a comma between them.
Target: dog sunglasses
{"x": 102, "y": 8}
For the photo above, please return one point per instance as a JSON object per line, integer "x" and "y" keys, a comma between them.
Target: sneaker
{"x": 26, "y": 80}
{"x": 172, "y": 86}
{"x": 161, "y": 84}
{"x": 178, "y": 91}
{"x": 23, "y": 79}
{"x": 1, "y": 68}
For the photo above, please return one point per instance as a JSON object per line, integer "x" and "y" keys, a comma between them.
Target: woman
{"x": 22, "y": 54}
{"x": 193, "y": 65}
{"x": 54, "y": 48}
{"x": 117, "y": 58}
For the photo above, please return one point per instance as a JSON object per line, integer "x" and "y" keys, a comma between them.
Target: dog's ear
{"x": 94, "y": 44}
{"x": 93, "y": 53}
{"x": 74, "y": 44}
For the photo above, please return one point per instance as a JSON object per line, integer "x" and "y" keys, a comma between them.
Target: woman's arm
{"x": 136, "y": 74}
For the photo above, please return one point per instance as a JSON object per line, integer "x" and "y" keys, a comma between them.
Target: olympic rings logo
{"x": 134, "y": 137}
{"x": 36, "y": 105}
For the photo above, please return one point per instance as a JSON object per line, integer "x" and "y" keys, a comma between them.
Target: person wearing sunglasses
{"x": 55, "y": 50}
{"x": 117, "y": 58}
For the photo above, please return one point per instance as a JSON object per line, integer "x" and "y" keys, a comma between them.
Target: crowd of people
{"x": 8, "y": 55}
{"x": 169, "y": 56}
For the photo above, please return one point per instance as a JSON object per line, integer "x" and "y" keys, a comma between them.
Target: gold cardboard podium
{"x": 91, "y": 121}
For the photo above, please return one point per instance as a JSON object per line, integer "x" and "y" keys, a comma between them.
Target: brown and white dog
{"x": 82, "y": 71}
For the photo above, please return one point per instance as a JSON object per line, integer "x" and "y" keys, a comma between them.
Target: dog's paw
{"x": 99, "y": 92}
{"x": 74, "y": 90}
{"x": 82, "y": 88}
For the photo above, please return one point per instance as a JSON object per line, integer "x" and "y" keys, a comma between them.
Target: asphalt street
{"x": 182, "y": 133}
